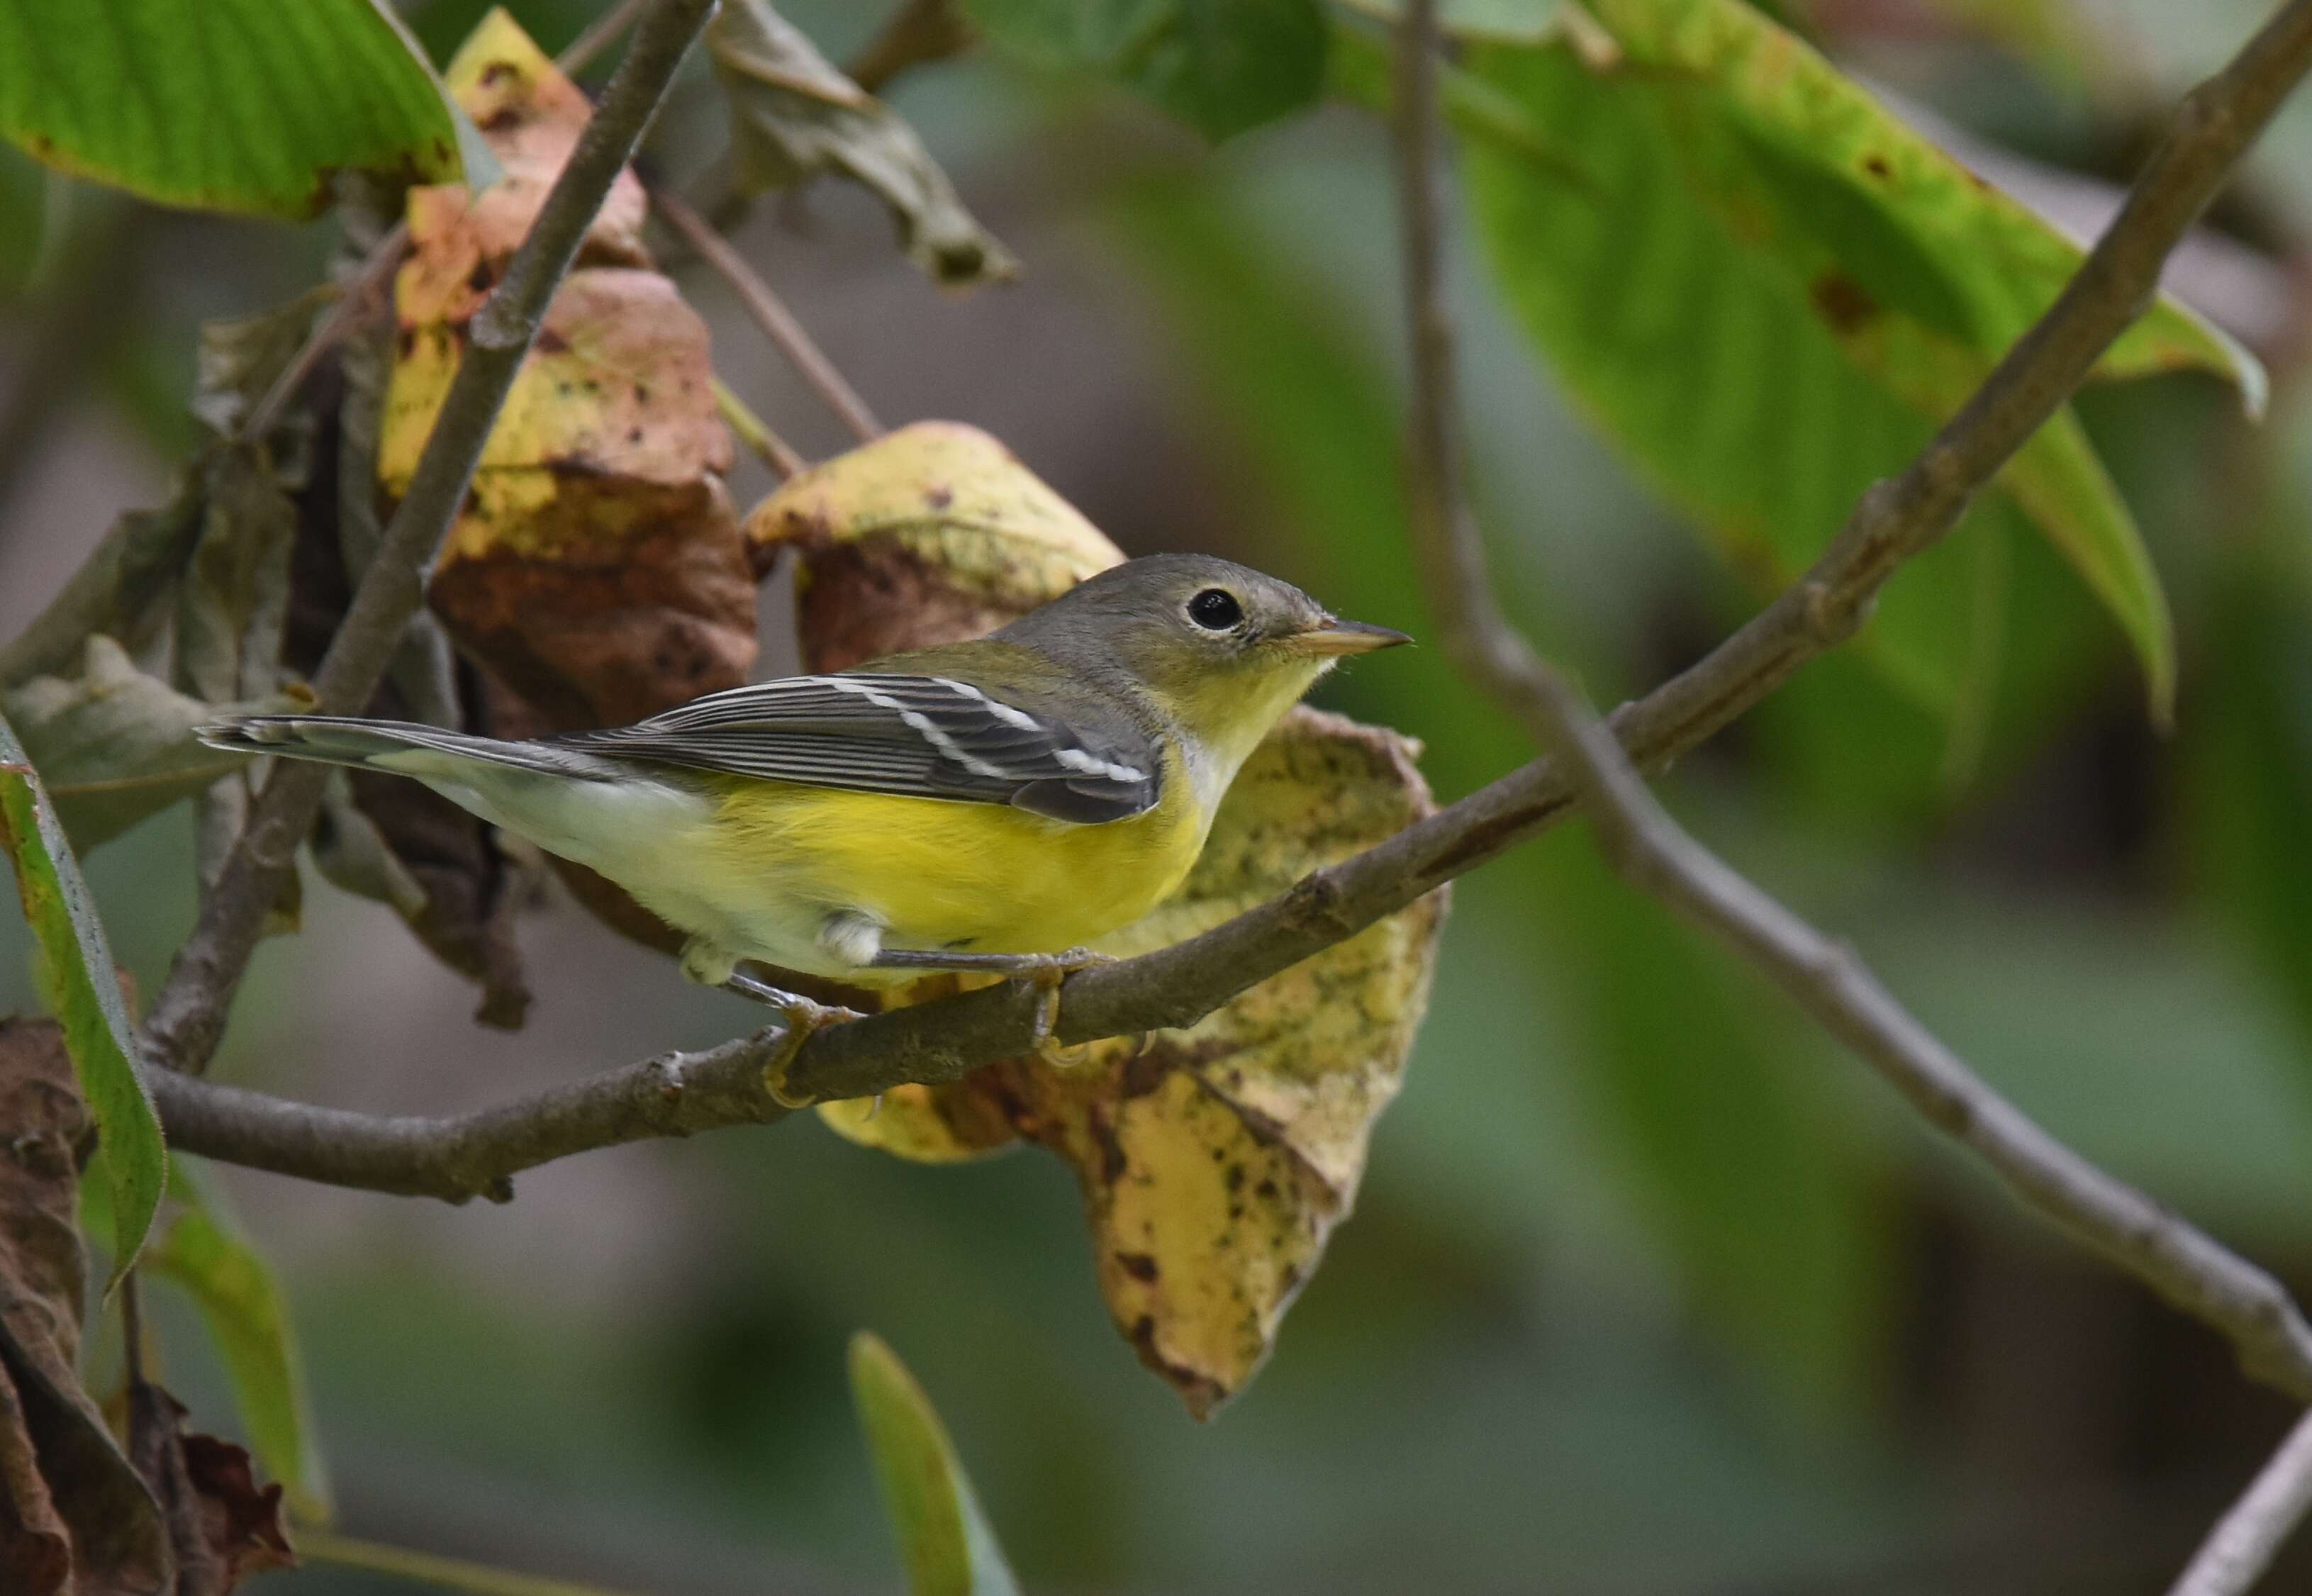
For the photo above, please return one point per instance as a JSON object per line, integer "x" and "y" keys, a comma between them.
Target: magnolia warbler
{"x": 990, "y": 805}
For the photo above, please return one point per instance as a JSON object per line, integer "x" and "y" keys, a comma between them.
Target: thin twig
{"x": 187, "y": 1016}
{"x": 357, "y": 299}
{"x": 770, "y": 314}
{"x": 450, "y": 1574}
{"x": 944, "y": 1040}
{"x": 2245, "y": 1539}
{"x": 599, "y": 36}
{"x": 755, "y": 433}
{"x": 132, "y": 1329}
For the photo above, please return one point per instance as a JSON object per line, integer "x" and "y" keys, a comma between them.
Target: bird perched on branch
{"x": 990, "y": 805}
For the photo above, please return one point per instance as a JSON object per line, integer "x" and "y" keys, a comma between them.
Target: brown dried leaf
{"x": 597, "y": 566}
{"x": 795, "y": 116}
{"x": 531, "y": 115}
{"x": 929, "y": 534}
{"x": 73, "y": 1515}
{"x": 221, "y": 1526}
{"x": 1215, "y": 1164}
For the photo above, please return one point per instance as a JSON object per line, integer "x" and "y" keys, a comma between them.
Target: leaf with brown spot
{"x": 793, "y": 115}
{"x": 530, "y": 114}
{"x": 929, "y": 534}
{"x": 1216, "y": 1164}
{"x": 73, "y": 1514}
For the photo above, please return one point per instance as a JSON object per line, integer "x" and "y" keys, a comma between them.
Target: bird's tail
{"x": 396, "y": 745}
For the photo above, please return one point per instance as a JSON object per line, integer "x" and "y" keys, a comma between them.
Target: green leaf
{"x": 80, "y": 987}
{"x": 241, "y": 1302}
{"x": 1768, "y": 290}
{"x": 248, "y": 106}
{"x": 944, "y": 1540}
{"x": 1220, "y": 65}
{"x": 793, "y": 115}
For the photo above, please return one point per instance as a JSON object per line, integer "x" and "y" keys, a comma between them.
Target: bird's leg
{"x": 1049, "y": 971}
{"x": 804, "y": 1019}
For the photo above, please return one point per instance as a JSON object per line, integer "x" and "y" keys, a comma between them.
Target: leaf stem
{"x": 452, "y": 1573}
{"x": 770, "y": 314}
{"x": 775, "y": 451}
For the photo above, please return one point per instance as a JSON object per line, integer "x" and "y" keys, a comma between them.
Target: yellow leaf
{"x": 929, "y": 534}
{"x": 1216, "y": 1162}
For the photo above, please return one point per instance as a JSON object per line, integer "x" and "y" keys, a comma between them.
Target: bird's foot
{"x": 803, "y": 1018}
{"x": 1050, "y": 974}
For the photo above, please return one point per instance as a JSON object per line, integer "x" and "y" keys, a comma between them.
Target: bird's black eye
{"x": 1215, "y": 610}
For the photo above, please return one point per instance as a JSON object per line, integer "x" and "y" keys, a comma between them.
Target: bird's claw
{"x": 1050, "y": 974}
{"x": 802, "y": 1020}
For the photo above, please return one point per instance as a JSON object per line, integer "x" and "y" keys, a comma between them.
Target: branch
{"x": 597, "y": 36}
{"x": 472, "y": 1154}
{"x": 188, "y": 1015}
{"x": 770, "y": 314}
{"x": 1174, "y": 986}
{"x": 920, "y": 31}
{"x": 2245, "y": 1542}
{"x": 1649, "y": 847}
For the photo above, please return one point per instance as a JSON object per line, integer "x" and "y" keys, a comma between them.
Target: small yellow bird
{"x": 990, "y": 805}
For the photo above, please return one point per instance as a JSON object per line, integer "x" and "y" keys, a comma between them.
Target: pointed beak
{"x": 1333, "y": 636}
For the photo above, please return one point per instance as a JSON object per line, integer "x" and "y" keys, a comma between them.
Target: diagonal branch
{"x": 188, "y": 1015}
{"x": 1649, "y": 847}
{"x": 769, "y": 313}
{"x": 942, "y": 1041}
{"x": 2245, "y": 1542}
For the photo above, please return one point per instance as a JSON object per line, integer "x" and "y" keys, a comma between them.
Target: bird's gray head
{"x": 1216, "y": 643}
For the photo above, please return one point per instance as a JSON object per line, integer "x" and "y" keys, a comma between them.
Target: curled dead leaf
{"x": 795, "y": 116}
{"x": 927, "y": 535}
{"x": 223, "y": 1526}
{"x": 112, "y": 744}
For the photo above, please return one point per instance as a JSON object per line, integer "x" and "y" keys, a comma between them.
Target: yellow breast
{"x": 977, "y": 877}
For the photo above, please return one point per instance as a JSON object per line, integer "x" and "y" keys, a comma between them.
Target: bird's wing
{"x": 920, "y": 736}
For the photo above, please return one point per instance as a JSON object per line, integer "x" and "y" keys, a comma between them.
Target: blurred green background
{"x": 1649, "y": 1289}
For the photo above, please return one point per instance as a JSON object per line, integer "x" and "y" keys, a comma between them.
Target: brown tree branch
{"x": 769, "y": 313}
{"x": 188, "y": 1017}
{"x": 942, "y": 1041}
{"x": 473, "y": 1154}
{"x": 2245, "y": 1539}
{"x": 919, "y": 31}
{"x": 599, "y": 36}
